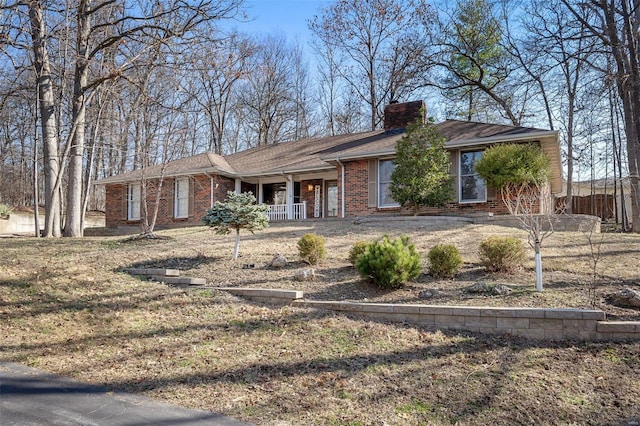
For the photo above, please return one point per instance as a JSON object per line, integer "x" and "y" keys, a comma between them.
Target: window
{"x": 472, "y": 186}
{"x": 133, "y": 202}
{"x": 181, "y": 202}
{"x": 385, "y": 168}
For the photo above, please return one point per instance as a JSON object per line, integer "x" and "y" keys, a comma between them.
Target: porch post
{"x": 290, "y": 197}
{"x": 238, "y": 186}
{"x": 259, "y": 194}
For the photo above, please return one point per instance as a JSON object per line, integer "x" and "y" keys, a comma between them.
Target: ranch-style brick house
{"x": 329, "y": 177}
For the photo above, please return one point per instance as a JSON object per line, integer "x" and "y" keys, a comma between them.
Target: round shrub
{"x": 389, "y": 264}
{"x": 356, "y": 251}
{"x": 501, "y": 254}
{"x": 311, "y": 248}
{"x": 444, "y": 261}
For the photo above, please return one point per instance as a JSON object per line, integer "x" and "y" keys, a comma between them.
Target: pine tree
{"x": 238, "y": 211}
{"x": 421, "y": 176}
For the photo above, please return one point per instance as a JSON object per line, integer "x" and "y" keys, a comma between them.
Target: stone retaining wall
{"x": 533, "y": 323}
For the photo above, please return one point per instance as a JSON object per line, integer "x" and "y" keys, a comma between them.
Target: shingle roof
{"x": 319, "y": 153}
{"x": 206, "y": 162}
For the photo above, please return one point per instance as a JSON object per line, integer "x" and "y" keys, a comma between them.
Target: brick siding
{"x": 310, "y": 195}
{"x": 357, "y": 196}
{"x": 200, "y": 190}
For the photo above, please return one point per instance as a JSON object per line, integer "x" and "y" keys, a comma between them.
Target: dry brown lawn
{"x": 66, "y": 307}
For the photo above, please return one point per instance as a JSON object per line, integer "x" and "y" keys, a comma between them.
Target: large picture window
{"x": 133, "y": 202}
{"x": 472, "y": 186}
{"x": 181, "y": 202}
{"x": 385, "y": 168}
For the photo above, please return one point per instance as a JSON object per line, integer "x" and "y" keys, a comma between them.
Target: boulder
{"x": 492, "y": 290}
{"x": 500, "y": 290}
{"x": 477, "y": 288}
{"x": 625, "y": 298}
{"x": 279, "y": 261}
{"x": 429, "y": 293}
{"x": 305, "y": 275}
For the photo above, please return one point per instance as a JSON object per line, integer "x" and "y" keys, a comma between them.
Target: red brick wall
{"x": 310, "y": 195}
{"x": 356, "y": 192}
{"x": 357, "y": 196}
{"x": 200, "y": 187}
{"x": 222, "y": 185}
{"x": 114, "y": 205}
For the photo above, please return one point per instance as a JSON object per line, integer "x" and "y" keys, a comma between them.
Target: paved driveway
{"x": 33, "y": 397}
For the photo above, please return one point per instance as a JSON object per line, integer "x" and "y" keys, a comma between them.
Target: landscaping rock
{"x": 500, "y": 290}
{"x": 429, "y": 293}
{"x": 625, "y": 298}
{"x": 279, "y": 261}
{"x": 492, "y": 290}
{"x": 305, "y": 275}
{"x": 478, "y": 288}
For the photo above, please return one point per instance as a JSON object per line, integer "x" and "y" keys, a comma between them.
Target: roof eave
{"x": 208, "y": 170}
{"x": 502, "y": 138}
{"x": 288, "y": 171}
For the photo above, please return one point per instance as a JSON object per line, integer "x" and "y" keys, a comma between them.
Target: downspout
{"x": 342, "y": 203}
{"x": 212, "y": 189}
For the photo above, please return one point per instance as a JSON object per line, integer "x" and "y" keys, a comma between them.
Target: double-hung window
{"x": 385, "y": 168}
{"x": 133, "y": 201}
{"x": 181, "y": 198}
{"x": 472, "y": 186}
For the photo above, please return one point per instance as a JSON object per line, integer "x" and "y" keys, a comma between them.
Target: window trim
{"x": 131, "y": 201}
{"x": 460, "y": 176}
{"x": 176, "y": 198}
{"x": 395, "y": 204}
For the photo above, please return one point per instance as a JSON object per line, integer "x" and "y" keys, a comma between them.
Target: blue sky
{"x": 286, "y": 16}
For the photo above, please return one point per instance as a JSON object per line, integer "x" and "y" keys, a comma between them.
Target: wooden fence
{"x": 600, "y": 205}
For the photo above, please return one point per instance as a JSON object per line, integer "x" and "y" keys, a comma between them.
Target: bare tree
{"x": 616, "y": 24}
{"x": 218, "y": 70}
{"x": 268, "y": 93}
{"x": 97, "y": 28}
{"x": 384, "y": 44}
{"x": 561, "y": 42}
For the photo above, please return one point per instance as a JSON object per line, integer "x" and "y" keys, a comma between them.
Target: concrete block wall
{"x": 533, "y": 323}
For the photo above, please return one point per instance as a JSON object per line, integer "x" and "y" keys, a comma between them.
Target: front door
{"x": 332, "y": 198}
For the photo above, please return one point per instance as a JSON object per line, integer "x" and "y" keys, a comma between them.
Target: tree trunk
{"x": 73, "y": 221}
{"x": 236, "y": 247}
{"x": 538, "y": 257}
{"x": 46, "y": 106}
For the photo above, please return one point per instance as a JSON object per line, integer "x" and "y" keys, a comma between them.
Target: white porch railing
{"x": 277, "y": 212}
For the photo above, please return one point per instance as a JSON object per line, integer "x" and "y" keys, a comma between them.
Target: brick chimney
{"x": 398, "y": 115}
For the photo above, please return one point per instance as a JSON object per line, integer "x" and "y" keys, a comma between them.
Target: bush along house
{"x": 330, "y": 177}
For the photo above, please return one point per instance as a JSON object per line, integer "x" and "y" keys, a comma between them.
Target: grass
{"x": 65, "y": 307}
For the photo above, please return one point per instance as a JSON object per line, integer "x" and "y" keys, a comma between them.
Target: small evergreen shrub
{"x": 356, "y": 251}
{"x": 389, "y": 264}
{"x": 4, "y": 210}
{"x": 311, "y": 248}
{"x": 444, "y": 261}
{"x": 501, "y": 254}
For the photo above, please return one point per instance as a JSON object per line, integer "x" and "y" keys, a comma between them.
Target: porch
{"x": 294, "y": 211}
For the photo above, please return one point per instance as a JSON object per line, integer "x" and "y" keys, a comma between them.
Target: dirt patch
{"x": 66, "y": 307}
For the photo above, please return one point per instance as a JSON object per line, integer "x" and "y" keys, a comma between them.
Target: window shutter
{"x": 171, "y": 197}
{"x": 454, "y": 174}
{"x": 192, "y": 195}
{"x": 372, "y": 181}
{"x": 125, "y": 201}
